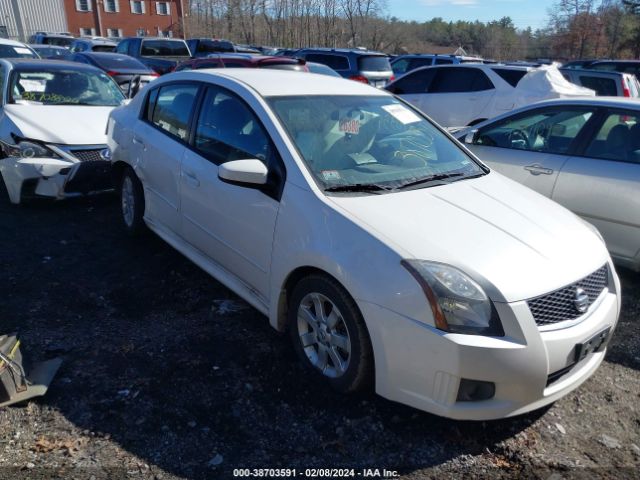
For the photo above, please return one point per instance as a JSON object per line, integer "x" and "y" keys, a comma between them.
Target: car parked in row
{"x": 393, "y": 256}
{"x": 582, "y": 153}
{"x": 57, "y": 39}
{"x": 467, "y": 94}
{"x": 607, "y": 84}
{"x": 624, "y": 66}
{"x": 13, "y": 49}
{"x": 363, "y": 66}
{"x": 242, "y": 60}
{"x": 96, "y": 44}
{"x": 406, "y": 63}
{"x": 161, "y": 55}
{"x": 122, "y": 68}
{"x": 52, "y": 128}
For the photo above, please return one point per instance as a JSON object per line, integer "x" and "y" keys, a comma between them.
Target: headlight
{"x": 458, "y": 303}
{"x": 27, "y": 149}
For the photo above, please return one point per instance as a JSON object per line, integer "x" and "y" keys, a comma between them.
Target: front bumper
{"x": 53, "y": 177}
{"x": 421, "y": 366}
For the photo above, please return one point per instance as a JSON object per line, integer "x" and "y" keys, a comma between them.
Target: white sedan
{"x": 52, "y": 128}
{"x": 390, "y": 253}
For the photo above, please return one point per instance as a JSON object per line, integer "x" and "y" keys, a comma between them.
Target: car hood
{"x": 64, "y": 124}
{"x": 515, "y": 242}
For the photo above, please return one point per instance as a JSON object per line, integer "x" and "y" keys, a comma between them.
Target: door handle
{"x": 537, "y": 169}
{"x": 191, "y": 178}
{"x": 137, "y": 141}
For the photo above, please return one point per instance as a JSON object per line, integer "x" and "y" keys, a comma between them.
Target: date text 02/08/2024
{"x": 315, "y": 473}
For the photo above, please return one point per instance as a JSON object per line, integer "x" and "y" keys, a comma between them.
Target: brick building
{"x": 124, "y": 18}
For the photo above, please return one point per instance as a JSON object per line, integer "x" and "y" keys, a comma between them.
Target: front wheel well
{"x": 117, "y": 170}
{"x": 289, "y": 284}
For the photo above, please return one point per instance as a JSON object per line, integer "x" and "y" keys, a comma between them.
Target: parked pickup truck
{"x": 160, "y": 54}
{"x": 608, "y": 84}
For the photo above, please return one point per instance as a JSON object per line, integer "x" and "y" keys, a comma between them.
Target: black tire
{"x": 359, "y": 372}
{"x": 132, "y": 203}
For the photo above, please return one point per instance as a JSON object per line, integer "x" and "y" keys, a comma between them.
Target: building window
{"x": 87, "y": 32}
{"x": 114, "y": 32}
{"x": 83, "y": 5}
{"x": 163, "y": 8}
{"x": 111, "y": 6}
{"x": 137, "y": 7}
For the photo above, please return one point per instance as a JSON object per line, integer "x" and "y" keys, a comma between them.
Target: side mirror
{"x": 126, "y": 101}
{"x": 249, "y": 172}
{"x": 134, "y": 86}
{"x": 471, "y": 137}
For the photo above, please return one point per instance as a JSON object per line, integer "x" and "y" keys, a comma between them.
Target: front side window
{"x": 64, "y": 87}
{"x": 228, "y": 130}
{"x": 549, "y": 131}
{"x": 172, "y": 109}
{"x": 618, "y": 138}
{"x": 459, "y": 80}
{"x": 369, "y": 141}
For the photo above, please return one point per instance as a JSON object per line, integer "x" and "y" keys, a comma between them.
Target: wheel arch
{"x": 117, "y": 170}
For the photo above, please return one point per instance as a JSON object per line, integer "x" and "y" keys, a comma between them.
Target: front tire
{"x": 329, "y": 333}
{"x": 132, "y": 203}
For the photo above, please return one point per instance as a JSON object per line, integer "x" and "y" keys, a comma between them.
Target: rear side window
{"x": 618, "y": 138}
{"x": 413, "y": 82}
{"x": 172, "y": 109}
{"x": 457, "y": 80}
{"x": 443, "y": 61}
{"x": 164, "y": 48}
{"x": 373, "y": 63}
{"x": 337, "y": 62}
{"x": 602, "y": 86}
{"x": 213, "y": 46}
{"x": 512, "y": 77}
{"x": 421, "y": 62}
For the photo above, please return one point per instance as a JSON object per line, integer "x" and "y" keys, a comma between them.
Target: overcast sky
{"x": 524, "y": 13}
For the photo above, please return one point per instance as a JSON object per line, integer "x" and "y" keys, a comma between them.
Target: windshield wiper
{"x": 429, "y": 179}
{"x": 358, "y": 187}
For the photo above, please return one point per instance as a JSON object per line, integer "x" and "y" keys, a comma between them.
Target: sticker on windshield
{"x": 348, "y": 125}
{"x": 330, "y": 175}
{"x": 402, "y": 113}
{"x": 22, "y": 50}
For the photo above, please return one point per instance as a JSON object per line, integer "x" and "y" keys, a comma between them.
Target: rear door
{"x": 601, "y": 183}
{"x": 532, "y": 147}
{"x": 161, "y": 136}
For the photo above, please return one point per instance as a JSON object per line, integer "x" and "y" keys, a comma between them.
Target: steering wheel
{"x": 519, "y": 139}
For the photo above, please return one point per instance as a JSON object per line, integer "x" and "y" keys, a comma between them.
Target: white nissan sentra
{"x": 389, "y": 252}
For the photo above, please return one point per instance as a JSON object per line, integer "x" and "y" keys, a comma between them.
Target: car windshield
{"x": 58, "y": 41}
{"x": 165, "y": 48}
{"x": 10, "y": 51}
{"x": 370, "y": 143}
{"x": 64, "y": 87}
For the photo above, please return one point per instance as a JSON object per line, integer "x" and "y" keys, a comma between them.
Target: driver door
{"x": 532, "y": 147}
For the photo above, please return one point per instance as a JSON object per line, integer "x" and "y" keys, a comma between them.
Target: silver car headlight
{"x": 27, "y": 149}
{"x": 458, "y": 303}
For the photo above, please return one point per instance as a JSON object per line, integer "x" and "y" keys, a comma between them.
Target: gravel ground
{"x": 167, "y": 374}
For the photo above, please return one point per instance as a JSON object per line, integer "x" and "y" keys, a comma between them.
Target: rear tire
{"x": 132, "y": 203}
{"x": 329, "y": 334}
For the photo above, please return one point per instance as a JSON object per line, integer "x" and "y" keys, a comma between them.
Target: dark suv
{"x": 159, "y": 54}
{"x": 355, "y": 64}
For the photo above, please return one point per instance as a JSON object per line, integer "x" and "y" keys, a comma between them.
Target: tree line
{"x": 576, "y": 28}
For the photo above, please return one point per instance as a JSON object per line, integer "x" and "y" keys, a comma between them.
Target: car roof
{"x": 342, "y": 50}
{"x": 268, "y": 83}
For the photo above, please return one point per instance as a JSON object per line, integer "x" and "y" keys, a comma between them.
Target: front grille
{"x": 87, "y": 155}
{"x": 560, "y": 305}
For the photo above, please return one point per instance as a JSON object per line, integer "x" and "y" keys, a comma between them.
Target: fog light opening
{"x": 475, "y": 390}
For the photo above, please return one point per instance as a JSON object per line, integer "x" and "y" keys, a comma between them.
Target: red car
{"x": 238, "y": 60}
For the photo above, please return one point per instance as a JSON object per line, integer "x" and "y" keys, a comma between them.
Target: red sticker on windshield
{"x": 347, "y": 125}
